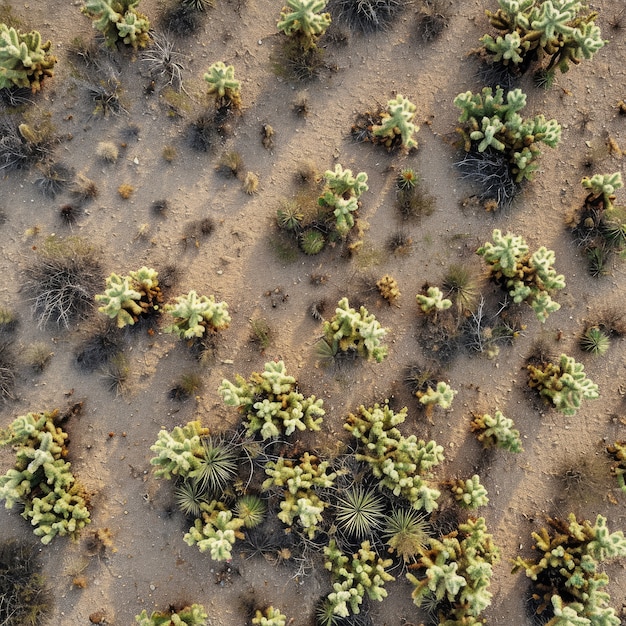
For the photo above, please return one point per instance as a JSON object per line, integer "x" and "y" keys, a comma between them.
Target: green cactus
{"x": 217, "y": 531}
{"x": 352, "y": 331}
{"x": 24, "y": 60}
{"x": 457, "y": 568}
{"x": 342, "y": 182}
{"x": 194, "y": 315}
{"x": 355, "y": 577}
{"x": 488, "y": 123}
{"x": 341, "y": 194}
{"x": 119, "y": 20}
{"x": 564, "y": 384}
{"x": 271, "y": 403}
{"x": 604, "y": 185}
{"x": 304, "y": 21}
{"x": 402, "y": 464}
{"x": 618, "y": 469}
{"x": 127, "y": 298}
{"x": 525, "y": 277}
{"x": 469, "y": 494}
{"x": 397, "y": 127}
{"x": 269, "y": 617}
{"x": 194, "y": 615}
{"x": 299, "y": 479}
{"x": 566, "y": 572}
{"x": 180, "y": 452}
{"x": 497, "y": 431}
{"x": 442, "y": 396}
{"x": 433, "y": 301}
{"x": 41, "y": 480}
{"x": 533, "y": 29}
{"x": 222, "y": 84}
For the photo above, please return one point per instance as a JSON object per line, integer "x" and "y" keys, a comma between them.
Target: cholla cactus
{"x": 531, "y": 29}
{"x": 194, "y": 314}
{"x": 526, "y": 277}
{"x": 490, "y": 123}
{"x": 352, "y": 331}
{"x": 497, "y": 431}
{"x": 299, "y": 479}
{"x": 304, "y": 21}
{"x": 193, "y": 615}
{"x": 397, "y": 127}
{"x": 119, "y": 20}
{"x": 271, "y": 403}
{"x": 458, "y": 568}
{"x": 222, "y": 84}
{"x": 441, "y": 396}
{"x": 469, "y": 494}
{"x": 603, "y": 186}
{"x": 388, "y": 288}
{"x": 269, "y": 617}
{"x": 127, "y": 298}
{"x": 24, "y": 60}
{"x": 217, "y": 531}
{"x": 564, "y": 384}
{"x": 402, "y": 464}
{"x": 355, "y": 577}
{"x": 433, "y": 301}
{"x": 618, "y": 469}
{"x": 341, "y": 194}
{"x": 180, "y": 452}
{"x": 566, "y": 571}
{"x": 41, "y": 480}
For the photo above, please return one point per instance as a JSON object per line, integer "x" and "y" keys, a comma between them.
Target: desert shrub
{"x": 62, "y": 281}
{"x": 26, "y": 597}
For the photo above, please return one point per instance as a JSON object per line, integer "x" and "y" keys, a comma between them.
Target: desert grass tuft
{"x": 107, "y": 151}
{"x": 366, "y": 15}
{"x": 116, "y": 372}
{"x": 8, "y": 372}
{"x": 595, "y": 340}
{"x": 251, "y": 508}
{"x": 250, "y": 183}
{"x": 37, "y": 356}
{"x": 360, "y": 512}
{"x": 218, "y": 465}
{"x": 189, "y": 497}
{"x": 54, "y": 179}
{"x": 125, "y": 191}
{"x": 261, "y": 333}
{"x": 406, "y": 531}
{"x": 98, "y": 348}
{"x": 186, "y": 386}
{"x": 84, "y": 188}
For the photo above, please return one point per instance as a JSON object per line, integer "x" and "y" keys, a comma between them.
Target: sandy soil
{"x": 151, "y": 567}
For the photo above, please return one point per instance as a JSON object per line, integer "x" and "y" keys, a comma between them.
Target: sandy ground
{"x": 151, "y": 567}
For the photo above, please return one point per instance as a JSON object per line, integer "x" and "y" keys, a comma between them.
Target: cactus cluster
{"x": 340, "y": 196}
{"x": 304, "y": 21}
{"x": 566, "y": 576}
{"x": 216, "y": 531}
{"x": 119, "y": 20}
{"x": 396, "y": 128}
{"x": 24, "y": 60}
{"x": 454, "y": 573}
{"x": 432, "y": 301}
{"x": 194, "y": 615}
{"x": 491, "y": 123}
{"x": 530, "y": 30}
{"x": 525, "y": 277}
{"x": 469, "y": 493}
{"x": 128, "y": 298}
{"x": 564, "y": 384}
{"x": 355, "y": 577}
{"x": 271, "y": 402}
{"x": 223, "y": 85}
{"x": 497, "y": 431}
{"x": 41, "y": 480}
{"x": 600, "y": 225}
{"x": 618, "y": 469}
{"x": 299, "y": 479}
{"x": 271, "y": 616}
{"x": 355, "y": 332}
{"x": 401, "y": 464}
{"x": 441, "y": 395}
{"x": 194, "y": 315}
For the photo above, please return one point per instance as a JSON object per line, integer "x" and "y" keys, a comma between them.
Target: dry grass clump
{"x": 107, "y": 151}
{"x": 125, "y": 190}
